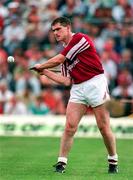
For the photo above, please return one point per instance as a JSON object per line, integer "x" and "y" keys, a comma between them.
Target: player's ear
{"x": 69, "y": 27}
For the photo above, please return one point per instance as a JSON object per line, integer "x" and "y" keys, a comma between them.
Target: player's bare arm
{"x": 57, "y": 77}
{"x": 52, "y": 62}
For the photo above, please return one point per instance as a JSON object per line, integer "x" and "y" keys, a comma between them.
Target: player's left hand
{"x": 36, "y": 68}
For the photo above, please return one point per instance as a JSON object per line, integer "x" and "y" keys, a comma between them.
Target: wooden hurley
{"x": 51, "y": 69}
{"x": 54, "y": 70}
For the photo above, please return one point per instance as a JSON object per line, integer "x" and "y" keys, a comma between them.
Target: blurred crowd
{"x": 25, "y": 34}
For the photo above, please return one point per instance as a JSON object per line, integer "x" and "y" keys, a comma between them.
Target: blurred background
{"x": 25, "y": 34}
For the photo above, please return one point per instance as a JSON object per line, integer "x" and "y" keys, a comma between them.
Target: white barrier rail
{"x": 53, "y": 126}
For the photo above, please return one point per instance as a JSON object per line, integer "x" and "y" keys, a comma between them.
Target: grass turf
{"x": 31, "y": 158}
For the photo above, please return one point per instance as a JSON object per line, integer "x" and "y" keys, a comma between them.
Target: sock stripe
{"x": 112, "y": 161}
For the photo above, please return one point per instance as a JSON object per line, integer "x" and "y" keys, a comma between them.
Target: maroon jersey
{"x": 82, "y": 61}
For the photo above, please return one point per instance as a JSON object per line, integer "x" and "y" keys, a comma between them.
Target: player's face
{"x": 60, "y": 32}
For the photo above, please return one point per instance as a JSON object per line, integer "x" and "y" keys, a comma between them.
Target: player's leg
{"x": 103, "y": 122}
{"x": 74, "y": 113}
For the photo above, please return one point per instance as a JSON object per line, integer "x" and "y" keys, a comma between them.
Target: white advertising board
{"x": 53, "y": 126}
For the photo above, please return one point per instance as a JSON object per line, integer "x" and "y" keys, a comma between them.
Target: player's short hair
{"x": 64, "y": 21}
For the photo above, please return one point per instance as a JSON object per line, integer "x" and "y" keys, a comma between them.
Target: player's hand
{"x": 36, "y": 68}
{"x": 43, "y": 72}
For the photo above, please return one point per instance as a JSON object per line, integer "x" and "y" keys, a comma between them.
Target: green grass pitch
{"x": 31, "y": 158}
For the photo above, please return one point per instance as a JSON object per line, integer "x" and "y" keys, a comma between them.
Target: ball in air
{"x": 10, "y": 59}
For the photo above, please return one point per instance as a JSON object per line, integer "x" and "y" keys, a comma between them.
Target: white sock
{"x": 62, "y": 159}
{"x": 113, "y": 159}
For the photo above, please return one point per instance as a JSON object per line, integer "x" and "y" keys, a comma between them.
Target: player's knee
{"x": 104, "y": 129}
{"x": 70, "y": 132}
{"x": 70, "y": 129}
{"x": 103, "y": 126}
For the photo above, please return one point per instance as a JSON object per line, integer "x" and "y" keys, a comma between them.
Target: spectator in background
{"x": 1, "y": 107}
{"x": 5, "y": 93}
{"x": 51, "y": 11}
{"x": 30, "y": 39}
{"x": 35, "y": 22}
{"x": 92, "y": 6}
{"x": 21, "y": 61}
{"x": 122, "y": 92}
{"x": 26, "y": 80}
{"x": 38, "y": 107}
{"x": 124, "y": 40}
{"x": 15, "y": 106}
{"x": 122, "y": 10}
{"x": 49, "y": 46}
{"x": 1, "y": 23}
{"x": 3, "y": 10}
{"x": 124, "y": 88}
{"x": 110, "y": 31}
{"x": 109, "y": 46}
{"x": 94, "y": 33}
{"x": 78, "y": 23}
{"x": 33, "y": 15}
{"x": 72, "y": 8}
{"x": 54, "y": 100}
{"x": 34, "y": 55}
{"x": 14, "y": 9}
{"x": 33, "y": 52}
{"x": 14, "y": 33}
{"x": 110, "y": 69}
{"x": 5, "y": 75}
{"x": 126, "y": 61}
{"x": 34, "y": 35}
{"x": 118, "y": 12}
{"x": 3, "y": 53}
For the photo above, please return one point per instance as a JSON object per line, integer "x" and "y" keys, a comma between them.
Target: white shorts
{"x": 92, "y": 92}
